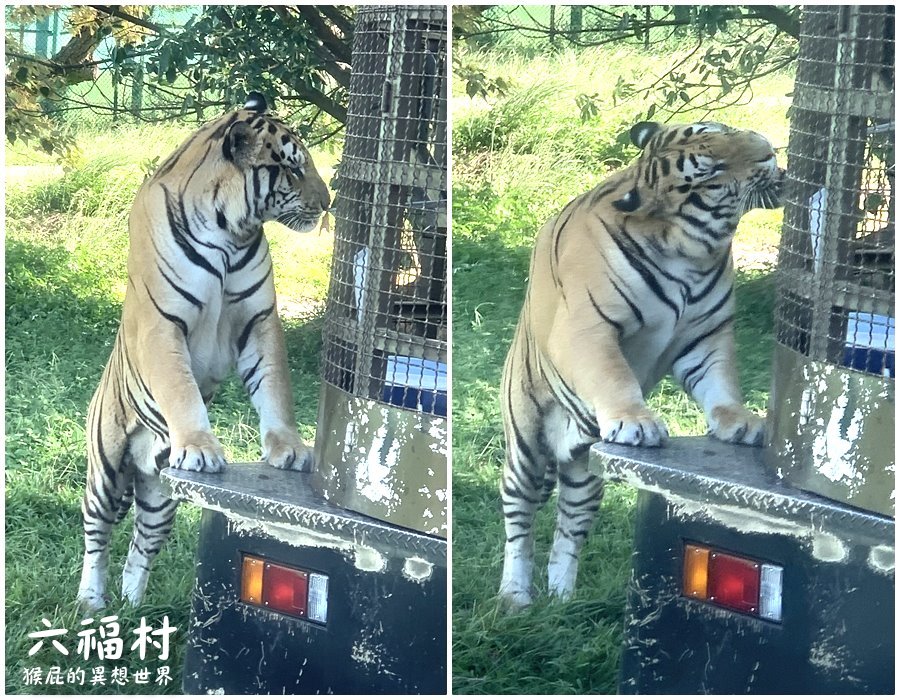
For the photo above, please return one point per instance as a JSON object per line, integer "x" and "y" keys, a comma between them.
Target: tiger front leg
{"x": 708, "y": 371}
{"x": 263, "y": 368}
{"x": 589, "y": 358}
{"x": 166, "y": 367}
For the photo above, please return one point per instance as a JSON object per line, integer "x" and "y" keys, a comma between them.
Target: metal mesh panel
{"x": 385, "y": 336}
{"x": 836, "y": 263}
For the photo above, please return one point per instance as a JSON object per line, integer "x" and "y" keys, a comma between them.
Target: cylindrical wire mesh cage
{"x": 387, "y": 305}
{"x": 384, "y": 359}
{"x": 832, "y": 400}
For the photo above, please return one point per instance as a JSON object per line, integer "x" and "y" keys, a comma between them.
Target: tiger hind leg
{"x": 528, "y": 479}
{"x": 126, "y": 502}
{"x": 154, "y": 517}
{"x": 580, "y": 493}
{"x": 109, "y": 478}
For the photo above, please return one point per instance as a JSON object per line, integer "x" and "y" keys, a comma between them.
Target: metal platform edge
{"x": 257, "y": 495}
{"x": 706, "y": 470}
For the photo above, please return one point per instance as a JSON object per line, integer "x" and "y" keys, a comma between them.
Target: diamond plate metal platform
{"x": 719, "y": 473}
{"x": 258, "y": 492}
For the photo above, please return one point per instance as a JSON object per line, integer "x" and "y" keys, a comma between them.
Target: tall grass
{"x": 66, "y": 248}
{"x": 518, "y": 159}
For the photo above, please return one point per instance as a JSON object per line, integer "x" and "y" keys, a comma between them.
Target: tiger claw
{"x": 201, "y": 452}
{"x": 737, "y": 425}
{"x": 90, "y": 601}
{"x": 639, "y": 427}
{"x": 284, "y": 449}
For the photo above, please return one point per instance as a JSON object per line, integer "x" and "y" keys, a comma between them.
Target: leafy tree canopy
{"x": 730, "y": 46}
{"x": 298, "y": 55}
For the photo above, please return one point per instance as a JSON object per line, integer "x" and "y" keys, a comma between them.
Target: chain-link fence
{"x": 831, "y": 408}
{"x": 105, "y": 95}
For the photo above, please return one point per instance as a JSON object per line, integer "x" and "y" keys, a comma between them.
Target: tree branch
{"x": 335, "y": 15}
{"x": 322, "y": 101}
{"x": 116, "y": 11}
{"x": 333, "y": 51}
{"x": 340, "y": 49}
{"x": 780, "y": 18}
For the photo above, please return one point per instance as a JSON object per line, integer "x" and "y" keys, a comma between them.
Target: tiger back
{"x": 629, "y": 282}
{"x": 199, "y": 302}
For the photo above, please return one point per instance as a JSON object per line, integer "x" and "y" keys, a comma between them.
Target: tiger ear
{"x": 629, "y": 202}
{"x": 256, "y": 102}
{"x": 642, "y": 131}
{"x": 240, "y": 143}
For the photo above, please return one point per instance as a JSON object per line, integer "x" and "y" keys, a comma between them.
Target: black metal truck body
{"x": 385, "y": 631}
{"x": 836, "y": 634}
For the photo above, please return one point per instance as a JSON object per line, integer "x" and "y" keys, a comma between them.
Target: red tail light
{"x": 729, "y": 581}
{"x": 733, "y": 582}
{"x": 285, "y": 589}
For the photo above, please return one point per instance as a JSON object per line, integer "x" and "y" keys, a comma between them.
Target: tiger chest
{"x": 228, "y": 307}
{"x": 685, "y": 299}
{"x": 651, "y": 347}
{"x": 211, "y": 346}
{"x": 648, "y": 349}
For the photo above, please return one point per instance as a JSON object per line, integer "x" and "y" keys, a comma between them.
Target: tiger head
{"x": 279, "y": 176}
{"x": 706, "y": 169}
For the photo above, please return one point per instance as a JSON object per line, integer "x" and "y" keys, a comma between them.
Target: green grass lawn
{"x": 517, "y": 160}
{"x": 66, "y": 246}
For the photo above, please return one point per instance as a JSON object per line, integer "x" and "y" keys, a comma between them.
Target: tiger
{"x": 199, "y": 301}
{"x": 630, "y": 281}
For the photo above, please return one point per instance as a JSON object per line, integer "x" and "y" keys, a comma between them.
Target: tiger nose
{"x": 325, "y": 198}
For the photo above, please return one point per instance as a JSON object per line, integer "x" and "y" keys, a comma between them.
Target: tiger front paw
{"x": 635, "y": 426}
{"x": 198, "y": 451}
{"x": 737, "y": 424}
{"x": 284, "y": 449}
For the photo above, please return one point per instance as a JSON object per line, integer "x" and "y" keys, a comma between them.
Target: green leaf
{"x": 681, "y": 13}
{"x": 22, "y": 74}
{"x": 874, "y": 202}
{"x": 165, "y": 55}
{"x": 587, "y": 106}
